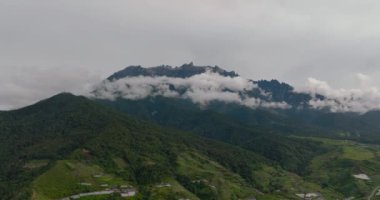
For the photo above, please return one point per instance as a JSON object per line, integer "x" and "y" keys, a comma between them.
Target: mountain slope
{"x": 69, "y": 145}
{"x": 244, "y": 145}
{"x": 290, "y": 153}
{"x": 48, "y": 130}
{"x": 65, "y": 133}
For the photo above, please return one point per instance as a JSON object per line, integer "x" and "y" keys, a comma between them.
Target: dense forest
{"x": 47, "y": 149}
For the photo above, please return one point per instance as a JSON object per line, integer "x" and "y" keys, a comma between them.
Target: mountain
{"x": 184, "y": 71}
{"x": 271, "y": 105}
{"x": 235, "y": 123}
{"x": 279, "y": 92}
{"x": 188, "y": 132}
{"x": 55, "y": 148}
{"x": 68, "y": 145}
{"x": 268, "y": 128}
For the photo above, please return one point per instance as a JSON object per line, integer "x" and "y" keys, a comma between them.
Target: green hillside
{"x": 273, "y": 143}
{"x": 69, "y": 145}
{"x": 49, "y": 148}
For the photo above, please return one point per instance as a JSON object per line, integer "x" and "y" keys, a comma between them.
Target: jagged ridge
{"x": 184, "y": 71}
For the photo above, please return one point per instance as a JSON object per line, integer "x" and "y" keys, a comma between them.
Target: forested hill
{"x": 69, "y": 145}
{"x": 35, "y": 139}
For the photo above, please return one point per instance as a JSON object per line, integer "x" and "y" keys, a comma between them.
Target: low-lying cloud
{"x": 201, "y": 89}
{"x": 208, "y": 87}
{"x": 361, "y": 99}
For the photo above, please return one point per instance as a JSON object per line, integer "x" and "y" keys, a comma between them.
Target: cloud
{"x": 22, "y": 86}
{"x": 361, "y": 100}
{"x": 201, "y": 89}
{"x": 364, "y": 79}
{"x": 262, "y": 39}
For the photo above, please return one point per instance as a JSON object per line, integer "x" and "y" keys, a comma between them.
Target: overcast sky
{"x": 66, "y": 45}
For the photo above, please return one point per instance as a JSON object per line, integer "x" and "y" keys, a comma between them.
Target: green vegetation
{"x": 68, "y": 145}
{"x": 174, "y": 191}
{"x": 210, "y": 180}
{"x": 354, "y": 152}
{"x": 335, "y": 169}
{"x": 68, "y": 177}
{"x": 225, "y": 123}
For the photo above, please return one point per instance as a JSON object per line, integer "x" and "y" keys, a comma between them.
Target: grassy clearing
{"x": 57, "y": 182}
{"x": 349, "y": 149}
{"x": 354, "y": 152}
{"x": 71, "y": 177}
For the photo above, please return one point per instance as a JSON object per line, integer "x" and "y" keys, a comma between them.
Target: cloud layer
{"x": 361, "y": 99}
{"x": 202, "y": 89}
{"x": 22, "y": 87}
{"x": 262, "y": 39}
{"x": 207, "y": 87}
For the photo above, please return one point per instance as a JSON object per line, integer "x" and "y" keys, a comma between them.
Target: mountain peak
{"x": 59, "y": 101}
{"x": 184, "y": 71}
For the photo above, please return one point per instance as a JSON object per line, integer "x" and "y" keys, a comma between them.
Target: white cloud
{"x": 362, "y": 99}
{"x": 201, "y": 89}
{"x": 364, "y": 79}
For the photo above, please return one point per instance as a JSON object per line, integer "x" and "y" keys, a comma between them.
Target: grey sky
{"x": 64, "y": 45}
